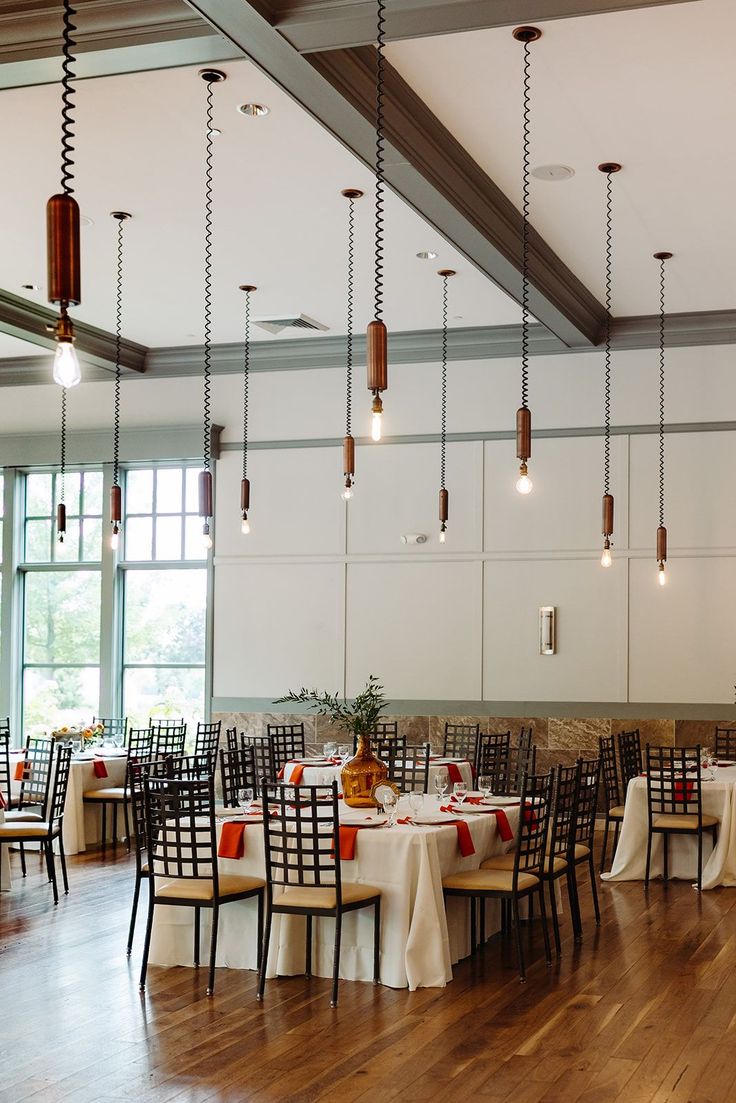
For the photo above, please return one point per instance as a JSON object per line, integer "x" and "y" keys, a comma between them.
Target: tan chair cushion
{"x": 15, "y": 815}
{"x": 506, "y": 861}
{"x": 616, "y": 813}
{"x": 683, "y": 822}
{"x": 113, "y": 792}
{"x": 318, "y": 898}
{"x": 488, "y": 880}
{"x": 581, "y": 851}
{"x": 230, "y": 885}
{"x": 23, "y": 830}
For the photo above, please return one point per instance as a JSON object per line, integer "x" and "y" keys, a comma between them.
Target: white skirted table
{"x": 719, "y": 864}
{"x": 83, "y": 822}
{"x": 319, "y": 772}
{"x": 420, "y": 937}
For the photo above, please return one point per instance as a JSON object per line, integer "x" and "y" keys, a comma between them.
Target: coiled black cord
{"x": 661, "y": 391}
{"x": 349, "y": 340}
{"x": 246, "y": 381}
{"x": 118, "y": 332}
{"x": 525, "y": 235}
{"x": 67, "y": 99}
{"x": 443, "y": 422}
{"x": 380, "y": 141}
{"x": 207, "y": 280}
{"x": 607, "y": 332}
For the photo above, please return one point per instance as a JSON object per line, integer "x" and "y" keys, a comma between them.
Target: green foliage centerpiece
{"x": 359, "y": 717}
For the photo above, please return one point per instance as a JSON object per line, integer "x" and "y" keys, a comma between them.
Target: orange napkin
{"x": 464, "y": 838}
{"x": 348, "y": 839}
{"x": 297, "y": 772}
{"x": 2, "y": 801}
{"x": 683, "y": 791}
{"x": 468, "y": 800}
{"x": 453, "y": 771}
{"x": 232, "y": 840}
{"x": 22, "y": 770}
{"x": 99, "y": 768}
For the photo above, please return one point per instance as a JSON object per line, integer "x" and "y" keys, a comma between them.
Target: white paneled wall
{"x": 323, "y": 593}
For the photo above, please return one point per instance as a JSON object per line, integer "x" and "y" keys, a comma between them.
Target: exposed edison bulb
{"x": 244, "y": 525}
{"x": 524, "y": 484}
{"x": 347, "y": 492}
{"x": 443, "y": 535}
{"x": 61, "y": 537}
{"x": 206, "y": 538}
{"x": 67, "y": 372}
{"x": 115, "y": 538}
{"x": 376, "y": 425}
{"x": 606, "y": 558}
{"x": 662, "y": 574}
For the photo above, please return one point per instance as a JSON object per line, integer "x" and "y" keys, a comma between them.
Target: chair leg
{"x": 52, "y": 869}
{"x": 615, "y": 839}
{"x": 264, "y": 956}
{"x": 260, "y": 931}
{"x": 196, "y": 937}
{"x": 104, "y": 825}
{"x": 336, "y": 959}
{"x": 22, "y": 859}
{"x": 473, "y": 928}
{"x": 555, "y": 917}
{"x": 127, "y": 824}
{"x": 308, "y": 955}
{"x": 62, "y": 857}
{"x": 147, "y": 940}
{"x": 213, "y": 949}
{"x": 605, "y": 843}
{"x": 649, "y": 860}
{"x": 545, "y": 929}
{"x": 665, "y": 844}
{"x": 700, "y": 861}
{"x": 114, "y": 826}
{"x": 594, "y": 890}
{"x": 577, "y": 919}
{"x": 377, "y": 942}
{"x": 517, "y": 928}
{"x": 482, "y": 909}
{"x": 133, "y": 913}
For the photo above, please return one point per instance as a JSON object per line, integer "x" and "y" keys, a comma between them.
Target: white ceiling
{"x": 279, "y": 219}
{"x": 653, "y": 89}
{"x": 13, "y": 346}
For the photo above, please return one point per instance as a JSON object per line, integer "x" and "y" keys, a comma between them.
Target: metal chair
{"x": 614, "y": 808}
{"x": 582, "y": 837}
{"x": 207, "y": 739}
{"x": 287, "y": 743}
{"x": 303, "y": 874}
{"x": 46, "y": 832}
{"x": 491, "y": 746}
{"x": 182, "y": 855}
{"x": 675, "y": 802}
{"x": 237, "y": 771}
{"x": 629, "y": 756}
{"x": 726, "y": 743}
{"x": 509, "y": 769}
{"x": 522, "y": 879}
{"x": 410, "y": 769}
{"x": 139, "y": 769}
{"x": 168, "y": 736}
{"x": 113, "y": 727}
{"x": 461, "y": 741}
{"x": 5, "y": 763}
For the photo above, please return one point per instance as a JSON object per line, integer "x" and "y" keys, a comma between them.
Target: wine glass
{"x": 245, "y": 800}
{"x": 416, "y": 801}
{"x": 76, "y": 746}
{"x": 344, "y": 752}
{"x": 460, "y": 791}
{"x": 485, "y": 784}
{"x": 390, "y": 803}
{"x": 440, "y": 783}
{"x": 329, "y": 749}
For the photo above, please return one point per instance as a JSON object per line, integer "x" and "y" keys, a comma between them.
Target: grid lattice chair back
{"x": 35, "y": 782}
{"x": 673, "y": 781}
{"x": 411, "y": 769}
{"x": 563, "y": 821}
{"x": 461, "y": 741}
{"x": 180, "y": 828}
{"x": 237, "y": 771}
{"x": 726, "y": 743}
{"x": 508, "y": 771}
{"x": 169, "y": 739}
{"x": 609, "y": 771}
{"x": 302, "y": 839}
{"x": 208, "y": 738}
{"x": 491, "y": 747}
{"x": 534, "y": 817}
{"x": 629, "y": 756}
{"x": 61, "y": 767}
{"x": 113, "y": 727}
{"x": 586, "y": 800}
{"x": 5, "y": 765}
{"x": 287, "y": 743}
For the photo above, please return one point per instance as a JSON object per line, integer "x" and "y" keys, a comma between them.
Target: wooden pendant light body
{"x": 348, "y": 455}
{"x": 245, "y": 495}
{"x": 607, "y": 528}
{"x": 61, "y": 520}
{"x": 116, "y": 513}
{"x": 377, "y": 356}
{"x": 661, "y": 544}
{"x": 523, "y": 433}
{"x": 444, "y": 505}
{"x": 62, "y": 252}
{"x": 205, "y": 493}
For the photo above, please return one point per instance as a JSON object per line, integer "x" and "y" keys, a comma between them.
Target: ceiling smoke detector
{"x": 552, "y": 172}
{"x": 277, "y": 323}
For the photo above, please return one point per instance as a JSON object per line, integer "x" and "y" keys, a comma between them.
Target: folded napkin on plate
{"x": 453, "y": 771}
{"x": 22, "y": 770}
{"x": 348, "y": 839}
{"x": 296, "y": 773}
{"x": 232, "y": 840}
{"x": 468, "y": 800}
{"x": 99, "y": 768}
{"x": 502, "y": 823}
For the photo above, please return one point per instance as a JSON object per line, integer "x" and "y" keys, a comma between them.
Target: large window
{"x": 164, "y": 596}
{"x": 61, "y": 600}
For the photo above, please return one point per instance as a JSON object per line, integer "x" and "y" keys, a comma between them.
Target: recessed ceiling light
{"x": 553, "y": 172}
{"x": 31, "y": 286}
{"x": 86, "y": 220}
{"x": 255, "y": 110}
{"x": 427, "y": 254}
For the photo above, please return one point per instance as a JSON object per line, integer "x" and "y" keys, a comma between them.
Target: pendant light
{"x": 348, "y": 443}
{"x": 608, "y": 168}
{"x": 210, "y": 77}
{"x": 116, "y": 497}
{"x": 525, "y": 35}
{"x": 661, "y": 530}
{"x": 61, "y": 507}
{"x": 445, "y": 273}
{"x": 377, "y": 336}
{"x": 248, "y": 288}
{"x": 62, "y": 225}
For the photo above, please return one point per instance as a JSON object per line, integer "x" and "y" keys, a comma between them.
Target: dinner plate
{"x": 431, "y": 820}
{"x": 252, "y": 817}
{"x": 363, "y": 821}
{"x": 111, "y": 754}
{"x": 82, "y": 757}
{"x": 500, "y": 801}
{"x": 494, "y": 806}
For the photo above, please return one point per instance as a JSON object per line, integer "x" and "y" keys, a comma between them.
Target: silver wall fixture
{"x": 547, "y": 625}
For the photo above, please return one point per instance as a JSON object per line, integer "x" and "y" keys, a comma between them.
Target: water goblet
{"x": 416, "y": 801}
{"x": 440, "y": 783}
{"x": 485, "y": 784}
{"x": 344, "y": 752}
{"x": 390, "y": 802}
{"x": 329, "y": 749}
{"x": 76, "y": 746}
{"x": 460, "y": 791}
{"x": 245, "y": 800}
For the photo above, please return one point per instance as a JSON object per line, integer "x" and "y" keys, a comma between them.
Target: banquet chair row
{"x": 25, "y": 825}
{"x": 616, "y": 775}
{"x": 725, "y": 743}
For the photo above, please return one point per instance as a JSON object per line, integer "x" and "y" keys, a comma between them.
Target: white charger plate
{"x": 363, "y": 821}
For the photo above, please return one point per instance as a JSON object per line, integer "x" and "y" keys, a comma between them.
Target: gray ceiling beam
{"x": 410, "y": 347}
{"x": 311, "y": 25}
{"x": 95, "y": 347}
{"x": 425, "y": 165}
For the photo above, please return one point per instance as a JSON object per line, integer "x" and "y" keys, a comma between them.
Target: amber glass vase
{"x": 360, "y": 774}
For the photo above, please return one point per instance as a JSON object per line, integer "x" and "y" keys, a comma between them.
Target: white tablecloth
{"x": 83, "y": 822}
{"x": 420, "y": 940}
{"x": 324, "y": 773}
{"x": 719, "y": 865}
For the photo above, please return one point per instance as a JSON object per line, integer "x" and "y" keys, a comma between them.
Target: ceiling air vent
{"x": 298, "y": 321}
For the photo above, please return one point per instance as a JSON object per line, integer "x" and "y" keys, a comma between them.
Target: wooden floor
{"x": 644, "y": 1010}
